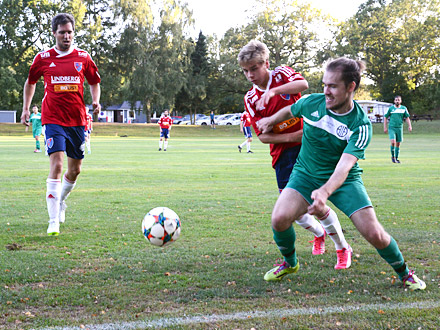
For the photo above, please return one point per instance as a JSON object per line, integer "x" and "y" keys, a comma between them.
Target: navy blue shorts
{"x": 68, "y": 139}
{"x": 164, "y": 133}
{"x": 247, "y": 131}
{"x": 284, "y": 166}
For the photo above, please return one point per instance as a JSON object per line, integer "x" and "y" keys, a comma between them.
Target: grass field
{"x": 100, "y": 273}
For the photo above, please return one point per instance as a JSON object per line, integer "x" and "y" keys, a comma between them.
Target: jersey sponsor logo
{"x": 82, "y": 54}
{"x": 285, "y": 96}
{"x": 315, "y": 114}
{"x": 45, "y": 54}
{"x": 278, "y": 78}
{"x": 331, "y": 126}
{"x": 65, "y": 88}
{"x": 65, "y": 79}
{"x": 52, "y": 65}
{"x": 399, "y": 111}
{"x": 49, "y": 143}
{"x": 78, "y": 66}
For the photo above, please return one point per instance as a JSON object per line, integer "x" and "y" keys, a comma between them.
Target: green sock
{"x": 38, "y": 144}
{"x": 394, "y": 257}
{"x": 285, "y": 241}
{"x": 396, "y": 152}
{"x": 392, "y": 151}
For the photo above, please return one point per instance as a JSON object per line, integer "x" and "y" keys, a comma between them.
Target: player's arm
{"x": 385, "y": 124}
{"x": 321, "y": 195}
{"x": 95, "y": 91}
{"x": 272, "y": 138}
{"x": 265, "y": 124}
{"x": 408, "y": 121}
{"x": 293, "y": 87}
{"x": 28, "y": 94}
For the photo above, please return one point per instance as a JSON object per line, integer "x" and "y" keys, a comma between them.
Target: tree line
{"x": 145, "y": 52}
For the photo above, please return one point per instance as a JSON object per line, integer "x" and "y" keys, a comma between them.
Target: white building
{"x": 375, "y": 110}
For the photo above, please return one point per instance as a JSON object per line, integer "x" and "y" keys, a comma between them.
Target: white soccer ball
{"x": 161, "y": 226}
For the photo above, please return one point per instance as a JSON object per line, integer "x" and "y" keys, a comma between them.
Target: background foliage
{"x": 145, "y": 51}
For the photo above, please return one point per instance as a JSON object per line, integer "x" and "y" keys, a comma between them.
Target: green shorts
{"x": 395, "y": 133}
{"x": 349, "y": 198}
{"x": 36, "y": 132}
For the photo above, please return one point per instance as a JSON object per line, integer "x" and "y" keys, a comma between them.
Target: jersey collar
{"x": 61, "y": 53}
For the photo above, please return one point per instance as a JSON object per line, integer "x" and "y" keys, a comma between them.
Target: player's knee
{"x": 279, "y": 221}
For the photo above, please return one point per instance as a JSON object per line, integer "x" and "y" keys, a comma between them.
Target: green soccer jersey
{"x": 397, "y": 115}
{"x": 35, "y": 120}
{"x": 327, "y": 135}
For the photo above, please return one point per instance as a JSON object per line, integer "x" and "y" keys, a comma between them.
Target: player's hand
{"x": 409, "y": 128}
{"x": 385, "y": 130}
{"x": 96, "y": 108}
{"x": 264, "y": 125}
{"x": 318, "y": 207}
{"x": 264, "y": 100}
{"x": 25, "y": 117}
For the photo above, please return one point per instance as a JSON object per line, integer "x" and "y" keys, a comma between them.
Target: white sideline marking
{"x": 277, "y": 313}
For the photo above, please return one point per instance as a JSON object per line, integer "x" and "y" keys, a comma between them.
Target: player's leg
{"x": 399, "y": 138}
{"x": 289, "y": 206}
{"x": 283, "y": 169}
{"x": 161, "y": 140}
{"x": 53, "y": 191}
{"x": 75, "y": 156}
{"x": 249, "y": 141}
{"x": 366, "y": 223}
{"x": 392, "y": 136}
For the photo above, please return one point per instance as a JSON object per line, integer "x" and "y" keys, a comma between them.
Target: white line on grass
{"x": 277, "y": 313}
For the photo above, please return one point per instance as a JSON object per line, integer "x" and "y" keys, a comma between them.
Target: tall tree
{"x": 398, "y": 40}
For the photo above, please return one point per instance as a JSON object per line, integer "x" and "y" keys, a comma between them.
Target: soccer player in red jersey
{"x": 165, "y": 123}
{"x": 272, "y": 90}
{"x": 245, "y": 128}
{"x": 64, "y": 68}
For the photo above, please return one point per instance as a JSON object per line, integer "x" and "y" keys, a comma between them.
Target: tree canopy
{"x": 145, "y": 52}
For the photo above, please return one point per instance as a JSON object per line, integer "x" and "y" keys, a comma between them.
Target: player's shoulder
{"x": 81, "y": 52}
{"x": 312, "y": 99}
{"x": 250, "y": 94}
{"x": 362, "y": 118}
{"x": 45, "y": 54}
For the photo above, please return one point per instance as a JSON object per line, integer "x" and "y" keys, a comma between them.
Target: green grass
{"x": 101, "y": 269}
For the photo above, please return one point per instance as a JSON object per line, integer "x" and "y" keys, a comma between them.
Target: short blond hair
{"x": 254, "y": 51}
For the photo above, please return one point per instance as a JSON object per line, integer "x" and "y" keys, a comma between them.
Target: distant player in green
{"x": 397, "y": 113}
{"x": 35, "y": 121}
{"x": 336, "y": 133}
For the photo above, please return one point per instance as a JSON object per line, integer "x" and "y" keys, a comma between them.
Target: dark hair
{"x": 61, "y": 19}
{"x": 397, "y": 96}
{"x": 351, "y": 70}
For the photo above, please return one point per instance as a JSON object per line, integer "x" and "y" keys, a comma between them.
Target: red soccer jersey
{"x": 64, "y": 73}
{"x": 165, "y": 122}
{"x": 280, "y": 76}
{"x": 246, "y": 119}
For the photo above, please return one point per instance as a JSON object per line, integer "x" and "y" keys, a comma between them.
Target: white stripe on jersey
{"x": 331, "y": 126}
{"x": 398, "y": 111}
{"x": 361, "y": 143}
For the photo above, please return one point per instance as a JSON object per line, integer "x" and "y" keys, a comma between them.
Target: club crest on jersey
{"x": 285, "y": 96}
{"x": 78, "y": 66}
{"x": 342, "y": 131}
{"x": 49, "y": 143}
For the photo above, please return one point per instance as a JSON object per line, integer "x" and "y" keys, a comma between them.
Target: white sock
{"x": 243, "y": 144}
{"x": 66, "y": 187}
{"x": 88, "y": 146}
{"x": 248, "y": 145}
{"x": 53, "y": 194}
{"x": 333, "y": 228}
{"x": 165, "y": 144}
{"x": 309, "y": 223}
{"x": 160, "y": 144}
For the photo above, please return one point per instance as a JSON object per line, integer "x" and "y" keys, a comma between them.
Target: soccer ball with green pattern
{"x": 161, "y": 226}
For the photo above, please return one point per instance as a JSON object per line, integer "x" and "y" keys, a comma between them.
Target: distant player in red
{"x": 64, "y": 69}
{"x": 273, "y": 90}
{"x": 165, "y": 122}
{"x": 245, "y": 128}
{"x": 88, "y": 131}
